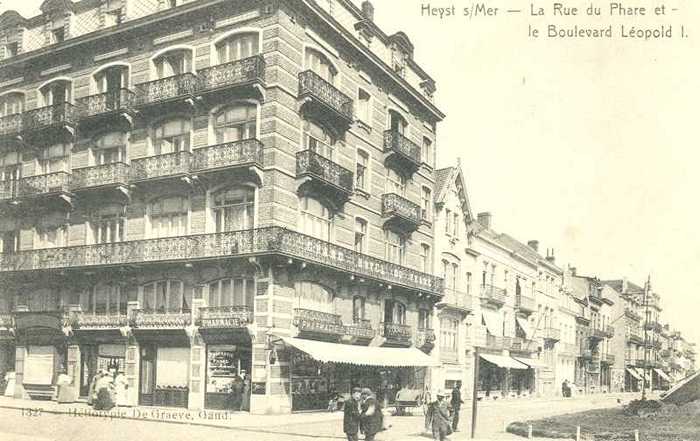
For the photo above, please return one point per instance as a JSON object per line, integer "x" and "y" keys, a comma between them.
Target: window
{"x": 318, "y": 140}
{"x": 237, "y": 47}
{"x": 54, "y": 159}
{"x": 109, "y": 148}
{"x": 108, "y": 226}
{"x": 171, "y": 137}
{"x": 10, "y": 174}
{"x": 358, "y": 309}
{"x": 168, "y": 217}
{"x": 362, "y": 171}
{"x": 448, "y": 221}
{"x": 234, "y": 209}
{"x": 426, "y": 203}
{"x": 165, "y": 296}
{"x": 397, "y": 123}
{"x": 313, "y": 296}
{"x": 320, "y": 64}
{"x": 56, "y": 92}
{"x": 12, "y": 49}
{"x": 426, "y": 259}
{"x": 11, "y": 103}
{"x": 236, "y": 123}
{"x": 364, "y": 109}
{"x": 469, "y": 284}
{"x": 455, "y": 224}
{"x": 173, "y": 63}
{"x": 427, "y": 151}
{"x": 395, "y": 182}
{"x": 395, "y": 247}
{"x": 10, "y": 242}
{"x": 448, "y": 335}
{"x": 52, "y": 236}
{"x": 58, "y": 35}
{"x": 110, "y": 81}
{"x": 315, "y": 219}
{"x": 423, "y": 319}
{"x": 231, "y": 292}
{"x": 360, "y": 235}
{"x": 103, "y": 300}
{"x": 394, "y": 312}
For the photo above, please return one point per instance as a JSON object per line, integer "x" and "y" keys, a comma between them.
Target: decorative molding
{"x": 55, "y": 69}
{"x": 11, "y": 82}
{"x": 116, "y": 53}
{"x": 173, "y": 37}
{"x": 236, "y": 19}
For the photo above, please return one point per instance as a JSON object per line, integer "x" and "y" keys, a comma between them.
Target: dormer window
{"x": 12, "y": 49}
{"x": 58, "y": 35}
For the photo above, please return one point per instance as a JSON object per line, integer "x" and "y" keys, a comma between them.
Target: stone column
{"x": 132, "y": 362}
{"x": 195, "y": 397}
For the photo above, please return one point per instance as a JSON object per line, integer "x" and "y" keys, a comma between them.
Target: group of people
{"x": 363, "y": 414}
{"x": 108, "y": 388}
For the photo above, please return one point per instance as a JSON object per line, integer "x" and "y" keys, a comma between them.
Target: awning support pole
{"x": 475, "y": 392}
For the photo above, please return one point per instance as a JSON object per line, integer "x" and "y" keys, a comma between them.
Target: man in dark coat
{"x": 440, "y": 418}
{"x": 371, "y": 418}
{"x": 351, "y": 415}
{"x": 456, "y": 403}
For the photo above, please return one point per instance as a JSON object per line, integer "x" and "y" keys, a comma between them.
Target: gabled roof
{"x": 618, "y": 286}
{"x": 444, "y": 179}
{"x": 11, "y": 18}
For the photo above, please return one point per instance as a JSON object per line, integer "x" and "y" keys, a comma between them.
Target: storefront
{"x": 499, "y": 375}
{"x": 662, "y": 381}
{"x": 96, "y": 357}
{"x": 633, "y": 380}
{"x": 228, "y": 377}
{"x": 538, "y": 371}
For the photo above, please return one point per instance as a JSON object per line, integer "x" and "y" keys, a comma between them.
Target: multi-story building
{"x": 568, "y": 348}
{"x": 213, "y": 196}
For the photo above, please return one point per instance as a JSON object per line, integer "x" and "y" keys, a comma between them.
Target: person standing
{"x": 120, "y": 387}
{"x": 245, "y": 399}
{"x": 371, "y": 419}
{"x": 456, "y": 402}
{"x": 440, "y": 417}
{"x": 351, "y": 415}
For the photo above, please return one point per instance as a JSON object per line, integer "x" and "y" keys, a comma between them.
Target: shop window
{"x": 234, "y": 209}
{"x": 237, "y": 47}
{"x": 165, "y": 296}
{"x": 395, "y": 247}
{"x": 231, "y": 292}
{"x": 320, "y": 64}
{"x": 168, "y": 217}
{"x": 235, "y": 123}
{"x": 315, "y": 219}
{"x": 313, "y": 296}
{"x": 362, "y": 177}
{"x": 358, "y": 309}
{"x": 176, "y": 62}
{"x": 11, "y": 103}
{"x": 172, "y": 136}
{"x": 103, "y": 300}
{"x": 318, "y": 139}
{"x": 360, "y": 235}
{"x": 109, "y": 148}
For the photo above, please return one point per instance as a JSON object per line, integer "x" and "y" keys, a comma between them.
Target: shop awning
{"x": 663, "y": 375}
{"x": 504, "y": 362}
{"x": 633, "y": 372}
{"x": 524, "y": 325}
{"x": 362, "y": 356}
{"x": 492, "y": 322}
{"x": 533, "y": 363}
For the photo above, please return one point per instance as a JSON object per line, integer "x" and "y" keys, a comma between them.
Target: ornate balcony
{"x": 324, "y": 176}
{"x": 458, "y": 300}
{"x": 236, "y": 317}
{"x": 525, "y": 304}
{"x": 653, "y": 326}
{"x": 400, "y": 214}
{"x": 175, "y": 89}
{"x": 634, "y": 336}
{"x": 261, "y": 241}
{"x": 598, "y": 334}
{"x": 425, "y": 339}
{"x": 325, "y": 101}
{"x": 318, "y": 324}
{"x": 631, "y": 313}
{"x": 100, "y": 176}
{"x": 228, "y": 155}
{"x": 359, "y": 332}
{"x": 46, "y": 122}
{"x": 44, "y": 185}
{"x": 96, "y": 108}
{"x": 518, "y": 344}
{"x": 493, "y": 294}
{"x": 168, "y": 165}
{"x": 396, "y": 334}
{"x": 401, "y": 152}
{"x": 149, "y": 319}
{"x": 230, "y": 76}
{"x": 551, "y": 334}
{"x": 11, "y": 125}
{"x": 80, "y": 320}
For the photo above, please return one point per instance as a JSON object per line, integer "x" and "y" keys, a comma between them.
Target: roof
{"x": 444, "y": 179}
{"x": 618, "y": 284}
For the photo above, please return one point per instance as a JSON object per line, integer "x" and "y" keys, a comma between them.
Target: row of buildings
{"x": 196, "y": 192}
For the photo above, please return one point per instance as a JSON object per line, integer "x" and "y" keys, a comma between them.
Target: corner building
{"x": 196, "y": 192}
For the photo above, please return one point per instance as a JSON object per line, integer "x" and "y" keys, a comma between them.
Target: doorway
{"x": 147, "y": 380}
{"x": 88, "y": 367}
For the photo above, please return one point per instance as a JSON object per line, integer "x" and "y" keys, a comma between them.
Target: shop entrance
{"x": 147, "y": 380}
{"x": 164, "y": 375}
{"x": 88, "y": 367}
{"x": 228, "y": 377}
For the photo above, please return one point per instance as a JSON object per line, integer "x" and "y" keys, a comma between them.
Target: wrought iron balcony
{"x": 493, "y": 294}
{"x": 631, "y": 313}
{"x": 8, "y": 189}
{"x": 6, "y": 320}
{"x": 118, "y": 101}
{"x": 425, "y": 339}
{"x": 396, "y": 333}
{"x": 457, "y": 299}
{"x": 400, "y": 213}
{"x": 401, "y": 151}
{"x": 233, "y": 74}
{"x": 525, "y": 304}
{"x": 116, "y": 173}
{"x": 41, "y": 185}
{"x": 552, "y": 334}
{"x": 161, "y": 166}
{"x": 360, "y": 330}
{"x": 62, "y": 115}
{"x": 653, "y": 326}
{"x": 268, "y": 240}
{"x": 598, "y": 334}
{"x": 227, "y": 155}
{"x": 634, "y": 336}
{"x": 81, "y": 320}
{"x": 498, "y": 342}
{"x": 519, "y": 344}
{"x": 324, "y": 99}
{"x": 11, "y": 125}
{"x": 174, "y": 88}
{"x": 318, "y": 323}
{"x": 325, "y": 175}
{"x": 237, "y": 317}
{"x": 146, "y": 319}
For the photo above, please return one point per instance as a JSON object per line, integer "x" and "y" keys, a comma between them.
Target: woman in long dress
{"x": 65, "y": 389}
{"x": 92, "y": 391}
{"x": 120, "y": 388}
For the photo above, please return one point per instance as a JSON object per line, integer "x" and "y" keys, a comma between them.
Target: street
{"x": 19, "y": 425}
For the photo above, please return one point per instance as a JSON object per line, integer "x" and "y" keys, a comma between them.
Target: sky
{"x": 588, "y": 146}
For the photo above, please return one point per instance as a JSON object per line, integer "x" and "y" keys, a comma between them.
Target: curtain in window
{"x": 234, "y": 209}
{"x": 315, "y": 219}
{"x": 236, "y": 123}
{"x": 231, "y": 292}
{"x": 173, "y": 63}
{"x": 172, "y": 136}
{"x": 237, "y": 47}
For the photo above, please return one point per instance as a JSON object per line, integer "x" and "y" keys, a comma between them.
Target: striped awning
{"x": 633, "y": 372}
{"x": 503, "y": 362}
{"x": 663, "y": 375}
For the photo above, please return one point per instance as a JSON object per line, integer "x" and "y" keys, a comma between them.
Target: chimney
{"x": 484, "y": 219}
{"x": 624, "y": 284}
{"x": 368, "y": 10}
{"x": 550, "y": 256}
{"x": 534, "y": 244}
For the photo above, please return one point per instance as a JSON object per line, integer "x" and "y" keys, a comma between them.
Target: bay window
{"x": 104, "y": 299}
{"x": 313, "y": 296}
{"x": 231, "y": 292}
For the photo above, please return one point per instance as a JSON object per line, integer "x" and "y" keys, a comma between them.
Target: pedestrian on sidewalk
{"x": 456, "y": 402}
{"x": 351, "y": 415}
{"x": 371, "y": 418}
{"x": 120, "y": 386}
{"x": 440, "y": 417}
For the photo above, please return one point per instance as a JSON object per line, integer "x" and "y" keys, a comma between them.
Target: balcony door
{"x": 56, "y": 92}
{"x": 318, "y": 140}
{"x": 394, "y": 312}
{"x": 234, "y": 209}
{"x": 173, "y": 63}
{"x": 9, "y": 179}
{"x": 321, "y": 65}
{"x": 236, "y": 123}
{"x": 315, "y": 219}
{"x": 397, "y": 123}
{"x": 110, "y": 81}
{"x": 172, "y": 136}
{"x": 237, "y": 47}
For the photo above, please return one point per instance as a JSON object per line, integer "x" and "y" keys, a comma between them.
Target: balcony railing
{"x": 268, "y": 240}
{"x": 165, "y": 89}
{"x": 521, "y": 344}
{"x": 317, "y": 322}
{"x": 311, "y": 85}
{"x": 49, "y": 116}
{"x": 82, "y": 320}
{"x": 525, "y": 303}
{"x": 397, "y": 206}
{"x": 609, "y": 331}
{"x": 247, "y": 70}
{"x": 100, "y": 175}
{"x": 631, "y": 313}
{"x": 160, "y": 166}
{"x": 238, "y": 316}
{"x": 396, "y": 332}
{"x": 310, "y": 163}
{"x": 142, "y": 318}
{"x": 635, "y": 337}
{"x": 493, "y": 294}
{"x": 598, "y": 333}
{"x": 58, "y": 182}
{"x": 228, "y": 154}
{"x": 425, "y": 338}
{"x": 498, "y": 342}
{"x": 11, "y": 125}
{"x": 115, "y": 101}
{"x": 551, "y": 334}
{"x": 407, "y": 150}
{"x": 360, "y": 329}
{"x": 457, "y": 299}
{"x": 6, "y": 320}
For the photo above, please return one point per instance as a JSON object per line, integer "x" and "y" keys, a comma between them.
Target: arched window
{"x": 313, "y": 296}
{"x": 165, "y": 296}
{"x": 234, "y": 209}
{"x": 103, "y": 299}
{"x": 237, "y": 47}
{"x": 109, "y": 147}
{"x": 395, "y": 247}
{"x": 395, "y": 182}
{"x": 175, "y": 62}
{"x": 172, "y": 136}
{"x": 11, "y": 103}
{"x": 107, "y": 224}
{"x": 315, "y": 219}
{"x": 236, "y": 123}
{"x": 232, "y": 292}
{"x": 318, "y": 139}
{"x": 56, "y": 92}
{"x": 111, "y": 79}
{"x": 168, "y": 217}
{"x": 320, "y": 64}
{"x": 394, "y": 312}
